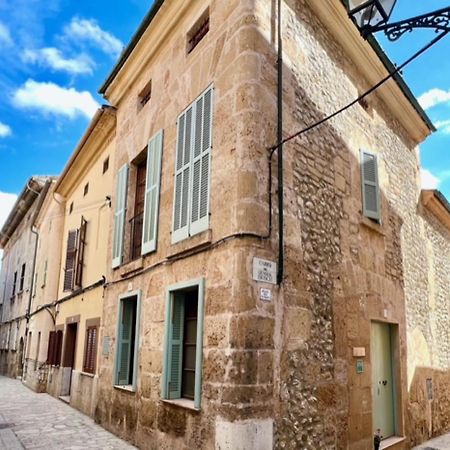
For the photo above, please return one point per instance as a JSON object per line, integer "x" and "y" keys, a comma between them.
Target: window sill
{"x": 373, "y": 225}
{"x": 132, "y": 266}
{"x": 390, "y": 442}
{"x": 88, "y": 374}
{"x": 190, "y": 243}
{"x": 127, "y": 388}
{"x": 182, "y": 403}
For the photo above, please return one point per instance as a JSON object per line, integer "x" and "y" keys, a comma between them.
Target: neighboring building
{"x": 85, "y": 188}
{"x": 49, "y": 228}
{"x": 427, "y": 281}
{"x": 194, "y": 354}
{"x": 18, "y": 240}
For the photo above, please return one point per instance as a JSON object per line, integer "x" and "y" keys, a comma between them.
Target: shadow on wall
{"x": 429, "y": 404}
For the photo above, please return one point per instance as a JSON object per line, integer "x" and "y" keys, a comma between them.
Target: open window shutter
{"x": 370, "y": 186}
{"x": 119, "y": 215}
{"x": 182, "y": 177}
{"x": 71, "y": 252}
{"x": 91, "y": 347}
{"x": 125, "y": 344}
{"x": 152, "y": 193}
{"x": 176, "y": 347}
{"x": 201, "y": 163}
{"x": 80, "y": 253}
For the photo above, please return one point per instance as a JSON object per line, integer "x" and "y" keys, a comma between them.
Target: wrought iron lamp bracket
{"x": 437, "y": 20}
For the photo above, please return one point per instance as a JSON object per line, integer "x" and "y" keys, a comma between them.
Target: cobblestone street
{"x": 39, "y": 421}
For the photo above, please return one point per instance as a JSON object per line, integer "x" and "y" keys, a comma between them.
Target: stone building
{"x": 427, "y": 277}
{"x": 198, "y": 354}
{"x": 18, "y": 240}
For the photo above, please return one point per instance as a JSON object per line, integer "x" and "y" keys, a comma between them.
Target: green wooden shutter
{"x": 370, "y": 186}
{"x": 201, "y": 163}
{"x": 176, "y": 347}
{"x": 152, "y": 186}
{"x": 119, "y": 216}
{"x": 124, "y": 343}
{"x": 180, "y": 229}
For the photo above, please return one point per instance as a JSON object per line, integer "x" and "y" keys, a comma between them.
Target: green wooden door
{"x": 382, "y": 379}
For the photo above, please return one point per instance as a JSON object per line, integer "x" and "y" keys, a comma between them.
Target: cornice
{"x": 435, "y": 202}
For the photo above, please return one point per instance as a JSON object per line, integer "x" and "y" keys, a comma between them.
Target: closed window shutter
{"x": 370, "y": 186}
{"x": 71, "y": 252}
{"x": 119, "y": 215}
{"x": 126, "y": 334}
{"x": 176, "y": 347}
{"x": 80, "y": 253}
{"x": 201, "y": 162}
{"x": 91, "y": 347}
{"x": 58, "y": 347}
{"x": 51, "y": 348}
{"x": 152, "y": 186}
{"x": 182, "y": 177}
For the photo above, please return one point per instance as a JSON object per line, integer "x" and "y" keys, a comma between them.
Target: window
{"x": 54, "y": 348}
{"x": 90, "y": 351}
{"x": 71, "y": 208}
{"x": 37, "y": 350}
{"x": 14, "y": 286}
{"x": 145, "y": 95}
{"x": 86, "y": 189}
{"x": 183, "y": 342}
{"x": 370, "y": 186}
{"x": 106, "y": 165}
{"x": 22, "y": 278}
{"x": 192, "y": 169}
{"x": 128, "y": 340}
{"x": 73, "y": 271}
{"x": 144, "y": 224}
{"x": 198, "y": 31}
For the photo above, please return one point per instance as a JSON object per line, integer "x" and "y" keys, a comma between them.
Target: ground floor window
{"x": 127, "y": 340}
{"x": 183, "y": 342}
{"x": 90, "y": 345}
{"x": 54, "y": 348}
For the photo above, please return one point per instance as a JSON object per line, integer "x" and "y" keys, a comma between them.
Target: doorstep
{"x": 390, "y": 442}
{"x": 65, "y": 398}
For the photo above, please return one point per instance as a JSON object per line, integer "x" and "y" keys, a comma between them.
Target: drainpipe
{"x": 280, "y": 151}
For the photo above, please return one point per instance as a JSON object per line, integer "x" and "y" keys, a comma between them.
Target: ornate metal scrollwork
{"x": 438, "y": 20}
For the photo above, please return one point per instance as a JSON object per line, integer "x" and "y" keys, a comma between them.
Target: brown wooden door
{"x": 137, "y": 221}
{"x": 70, "y": 345}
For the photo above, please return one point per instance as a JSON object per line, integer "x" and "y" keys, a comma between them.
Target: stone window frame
{"x": 196, "y": 403}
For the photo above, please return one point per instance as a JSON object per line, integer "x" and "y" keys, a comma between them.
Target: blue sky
{"x": 56, "y": 53}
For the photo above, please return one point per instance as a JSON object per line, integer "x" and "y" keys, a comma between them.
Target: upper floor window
{"x": 86, "y": 189}
{"x": 14, "y": 286}
{"x": 192, "y": 168}
{"x": 145, "y": 95}
{"x": 73, "y": 270}
{"x": 22, "y": 278}
{"x": 198, "y": 31}
{"x": 106, "y": 165}
{"x": 146, "y": 206}
{"x": 370, "y": 186}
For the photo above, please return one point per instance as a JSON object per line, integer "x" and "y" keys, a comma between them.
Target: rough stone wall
{"x": 342, "y": 271}
{"x": 428, "y": 330}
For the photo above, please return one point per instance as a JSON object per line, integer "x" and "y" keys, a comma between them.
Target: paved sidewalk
{"x": 39, "y": 421}
{"x": 439, "y": 443}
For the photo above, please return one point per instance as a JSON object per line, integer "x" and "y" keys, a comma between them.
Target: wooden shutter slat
{"x": 154, "y": 158}
{"x": 119, "y": 216}
{"x": 176, "y": 347}
{"x": 370, "y": 185}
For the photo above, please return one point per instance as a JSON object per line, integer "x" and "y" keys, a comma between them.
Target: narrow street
{"x": 39, "y": 421}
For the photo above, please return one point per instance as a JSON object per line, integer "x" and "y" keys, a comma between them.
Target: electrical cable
{"x": 361, "y": 97}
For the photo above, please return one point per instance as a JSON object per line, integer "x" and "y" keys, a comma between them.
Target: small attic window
{"x": 71, "y": 208}
{"x": 106, "y": 165}
{"x": 145, "y": 95}
{"x": 198, "y": 31}
{"x": 86, "y": 190}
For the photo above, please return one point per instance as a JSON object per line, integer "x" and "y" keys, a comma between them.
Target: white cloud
{"x": 434, "y": 97}
{"x": 53, "y": 58}
{"x": 5, "y": 35}
{"x": 89, "y": 30}
{"x": 443, "y": 125}
{"x": 5, "y": 130}
{"x": 51, "y": 98}
{"x": 429, "y": 181}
